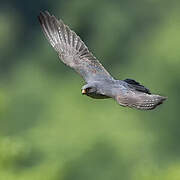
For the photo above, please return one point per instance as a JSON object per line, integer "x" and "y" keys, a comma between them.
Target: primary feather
{"x": 137, "y": 86}
{"x": 71, "y": 49}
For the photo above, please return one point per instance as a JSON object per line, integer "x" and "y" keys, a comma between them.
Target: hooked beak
{"x": 83, "y": 91}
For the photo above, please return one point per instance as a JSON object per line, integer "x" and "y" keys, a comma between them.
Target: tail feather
{"x": 141, "y": 101}
{"x": 149, "y": 102}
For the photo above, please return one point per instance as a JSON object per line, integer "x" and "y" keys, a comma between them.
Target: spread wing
{"x": 71, "y": 49}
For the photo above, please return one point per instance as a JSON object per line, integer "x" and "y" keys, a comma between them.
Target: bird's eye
{"x": 87, "y": 90}
{"x": 90, "y": 90}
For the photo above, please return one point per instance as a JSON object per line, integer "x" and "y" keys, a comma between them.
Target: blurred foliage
{"x": 49, "y": 131}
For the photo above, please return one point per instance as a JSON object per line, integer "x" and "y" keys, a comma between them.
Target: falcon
{"x": 99, "y": 83}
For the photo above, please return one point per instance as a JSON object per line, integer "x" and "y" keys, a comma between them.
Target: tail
{"x": 141, "y": 98}
{"x": 141, "y": 101}
{"x": 149, "y": 102}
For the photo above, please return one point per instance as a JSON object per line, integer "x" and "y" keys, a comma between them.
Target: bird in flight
{"x": 100, "y": 84}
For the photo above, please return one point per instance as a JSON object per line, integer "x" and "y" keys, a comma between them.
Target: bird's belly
{"x": 97, "y": 96}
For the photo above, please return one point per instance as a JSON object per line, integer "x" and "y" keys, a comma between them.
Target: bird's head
{"x": 93, "y": 91}
{"x": 88, "y": 90}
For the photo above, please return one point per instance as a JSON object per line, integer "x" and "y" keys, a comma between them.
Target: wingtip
{"x": 41, "y": 17}
{"x": 47, "y": 13}
{"x": 44, "y": 14}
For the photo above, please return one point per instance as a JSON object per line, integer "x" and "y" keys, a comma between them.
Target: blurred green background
{"x": 49, "y": 131}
